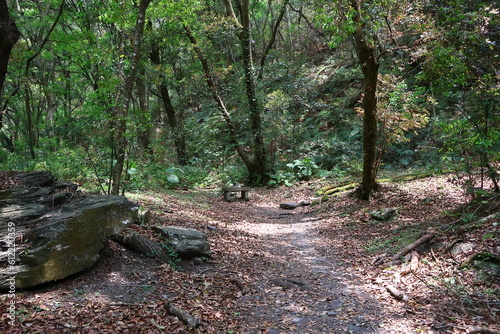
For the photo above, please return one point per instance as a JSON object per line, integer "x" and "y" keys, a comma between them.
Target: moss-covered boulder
{"x": 49, "y": 231}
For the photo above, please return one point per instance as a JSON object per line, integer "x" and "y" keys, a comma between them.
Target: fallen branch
{"x": 187, "y": 318}
{"x": 399, "y": 295}
{"x": 478, "y": 223}
{"x": 396, "y": 258}
{"x": 422, "y": 240}
{"x": 143, "y": 245}
{"x": 450, "y": 246}
{"x": 339, "y": 188}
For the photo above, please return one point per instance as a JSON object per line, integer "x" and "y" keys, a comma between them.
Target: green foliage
{"x": 285, "y": 178}
{"x": 309, "y": 93}
{"x": 298, "y": 170}
{"x": 303, "y": 169}
{"x": 175, "y": 262}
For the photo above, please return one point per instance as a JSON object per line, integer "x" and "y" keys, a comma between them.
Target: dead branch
{"x": 143, "y": 245}
{"x": 399, "y": 295}
{"x": 187, "y": 318}
{"x": 450, "y": 246}
{"x": 289, "y": 283}
{"x": 478, "y": 222}
{"x": 396, "y": 258}
{"x": 422, "y": 240}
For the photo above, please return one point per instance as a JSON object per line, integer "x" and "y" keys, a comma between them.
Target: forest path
{"x": 302, "y": 288}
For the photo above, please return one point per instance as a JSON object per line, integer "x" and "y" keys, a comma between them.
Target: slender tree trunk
{"x": 9, "y": 35}
{"x": 272, "y": 39}
{"x": 143, "y": 135}
{"x": 259, "y": 168}
{"x": 369, "y": 65}
{"x": 31, "y": 119}
{"x": 121, "y": 112}
{"x": 176, "y": 126}
{"x": 220, "y": 103}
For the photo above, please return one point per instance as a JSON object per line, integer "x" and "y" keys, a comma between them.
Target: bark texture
{"x": 369, "y": 65}
{"x": 9, "y": 35}
{"x": 121, "y": 111}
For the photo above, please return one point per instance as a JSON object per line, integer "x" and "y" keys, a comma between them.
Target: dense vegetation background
{"x": 124, "y": 95}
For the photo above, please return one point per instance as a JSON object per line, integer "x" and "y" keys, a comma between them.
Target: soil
{"x": 308, "y": 270}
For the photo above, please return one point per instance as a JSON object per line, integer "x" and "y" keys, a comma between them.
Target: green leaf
{"x": 172, "y": 178}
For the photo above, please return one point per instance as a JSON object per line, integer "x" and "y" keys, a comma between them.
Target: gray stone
{"x": 48, "y": 231}
{"x": 462, "y": 247}
{"x": 186, "y": 242}
{"x": 289, "y": 206}
{"x": 384, "y": 214}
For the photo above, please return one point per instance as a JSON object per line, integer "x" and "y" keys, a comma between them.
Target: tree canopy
{"x": 129, "y": 95}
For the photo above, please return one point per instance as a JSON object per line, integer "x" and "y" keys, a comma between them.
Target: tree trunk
{"x": 176, "y": 126}
{"x": 369, "y": 65}
{"x": 259, "y": 168}
{"x": 121, "y": 111}
{"x": 273, "y": 38}
{"x": 144, "y": 131}
{"x": 220, "y": 103}
{"x": 32, "y": 132}
{"x": 9, "y": 34}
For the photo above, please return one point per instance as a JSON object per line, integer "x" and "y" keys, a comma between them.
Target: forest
{"x": 346, "y": 99}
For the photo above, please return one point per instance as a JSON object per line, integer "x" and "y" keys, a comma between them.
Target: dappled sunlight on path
{"x": 303, "y": 289}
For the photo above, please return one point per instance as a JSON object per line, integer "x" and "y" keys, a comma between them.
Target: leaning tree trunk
{"x": 220, "y": 103}
{"x": 9, "y": 34}
{"x": 175, "y": 125}
{"x": 121, "y": 113}
{"x": 272, "y": 39}
{"x": 369, "y": 65}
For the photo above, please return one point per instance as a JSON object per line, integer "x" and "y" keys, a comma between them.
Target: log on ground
{"x": 143, "y": 245}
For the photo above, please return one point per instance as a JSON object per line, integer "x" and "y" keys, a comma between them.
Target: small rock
{"x": 384, "y": 214}
{"x": 289, "y": 206}
{"x": 463, "y": 247}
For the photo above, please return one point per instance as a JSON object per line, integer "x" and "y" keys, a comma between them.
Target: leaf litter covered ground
{"x": 309, "y": 270}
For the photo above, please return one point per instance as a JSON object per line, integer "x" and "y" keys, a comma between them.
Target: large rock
{"x": 186, "y": 242}
{"x": 49, "y": 231}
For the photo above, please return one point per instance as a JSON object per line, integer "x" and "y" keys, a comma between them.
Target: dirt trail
{"x": 304, "y": 271}
{"x": 304, "y": 289}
